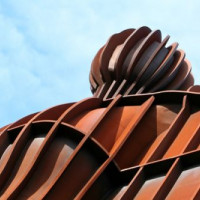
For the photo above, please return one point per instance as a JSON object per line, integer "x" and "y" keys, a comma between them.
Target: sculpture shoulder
{"x": 52, "y": 113}
{"x": 3, "y": 128}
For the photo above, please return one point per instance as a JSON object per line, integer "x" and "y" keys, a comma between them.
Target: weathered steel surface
{"x": 136, "y": 61}
{"x": 142, "y": 146}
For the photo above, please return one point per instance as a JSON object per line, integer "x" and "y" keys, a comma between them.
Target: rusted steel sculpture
{"x": 119, "y": 144}
{"x": 137, "y": 61}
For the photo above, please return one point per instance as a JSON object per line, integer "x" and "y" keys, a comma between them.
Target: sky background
{"x": 46, "y": 46}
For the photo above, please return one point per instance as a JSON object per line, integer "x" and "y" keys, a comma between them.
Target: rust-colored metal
{"x": 119, "y": 144}
{"x": 136, "y": 62}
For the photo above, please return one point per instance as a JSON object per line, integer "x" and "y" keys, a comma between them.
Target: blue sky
{"x": 46, "y": 46}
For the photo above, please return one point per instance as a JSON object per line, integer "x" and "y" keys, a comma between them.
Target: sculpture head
{"x": 137, "y": 61}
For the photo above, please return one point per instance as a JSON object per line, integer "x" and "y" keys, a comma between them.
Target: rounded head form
{"x": 137, "y": 61}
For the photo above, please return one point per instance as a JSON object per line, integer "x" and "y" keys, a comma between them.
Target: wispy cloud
{"x": 46, "y": 47}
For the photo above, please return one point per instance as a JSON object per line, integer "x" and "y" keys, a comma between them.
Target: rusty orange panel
{"x": 138, "y": 137}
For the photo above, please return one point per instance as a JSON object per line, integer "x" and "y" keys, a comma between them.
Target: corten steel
{"x": 119, "y": 144}
{"x": 137, "y": 61}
